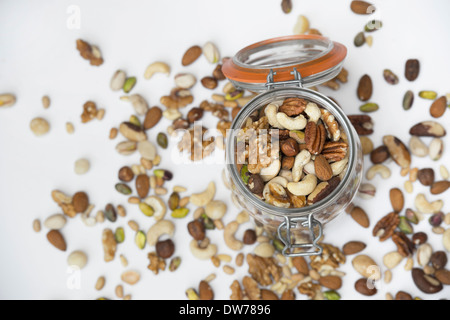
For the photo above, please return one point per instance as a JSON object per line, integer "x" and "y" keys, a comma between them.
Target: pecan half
{"x": 236, "y": 291}
{"x": 251, "y": 288}
{"x": 331, "y": 256}
{"x": 315, "y": 136}
{"x": 335, "y": 151}
{"x": 331, "y": 125}
{"x": 293, "y": 106}
{"x": 404, "y": 245}
{"x": 362, "y": 123}
{"x": 263, "y": 270}
{"x": 386, "y": 226}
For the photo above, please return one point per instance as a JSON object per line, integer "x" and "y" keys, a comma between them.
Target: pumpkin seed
{"x": 360, "y": 39}
{"x": 369, "y": 107}
{"x": 428, "y": 94}
{"x": 123, "y": 188}
{"x": 408, "y": 100}
{"x": 174, "y": 200}
{"x": 180, "y": 213}
{"x": 129, "y": 84}
{"x": 331, "y": 295}
{"x": 146, "y": 209}
{"x": 140, "y": 239}
{"x": 162, "y": 140}
{"x": 119, "y": 235}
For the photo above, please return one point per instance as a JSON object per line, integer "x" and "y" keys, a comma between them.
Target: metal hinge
{"x": 298, "y": 81}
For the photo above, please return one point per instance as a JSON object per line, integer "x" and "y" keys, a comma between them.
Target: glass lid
{"x": 316, "y": 59}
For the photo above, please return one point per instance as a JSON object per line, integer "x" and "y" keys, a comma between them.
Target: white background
{"x": 38, "y": 57}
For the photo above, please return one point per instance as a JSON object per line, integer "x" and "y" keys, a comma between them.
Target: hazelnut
{"x": 249, "y": 236}
{"x": 165, "y": 249}
{"x": 126, "y": 174}
{"x": 196, "y": 229}
{"x": 290, "y": 147}
{"x": 287, "y": 163}
{"x": 256, "y": 184}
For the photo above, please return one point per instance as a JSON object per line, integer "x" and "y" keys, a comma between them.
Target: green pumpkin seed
{"x": 369, "y": 107}
{"x": 146, "y": 209}
{"x": 408, "y": 100}
{"x": 428, "y": 94}
{"x": 110, "y": 213}
{"x": 119, "y": 235}
{"x": 360, "y": 39}
{"x": 123, "y": 188}
{"x": 180, "y": 213}
{"x": 162, "y": 140}
{"x": 373, "y": 25}
{"x": 405, "y": 226}
{"x": 174, "y": 264}
{"x": 129, "y": 84}
{"x": 245, "y": 175}
{"x": 140, "y": 239}
{"x": 208, "y": 223}
{"x": 135, "y": 120}
{"x": 331, "y": 295}
{"x": 279, "y": 246}
{"x": 174, "y": 200}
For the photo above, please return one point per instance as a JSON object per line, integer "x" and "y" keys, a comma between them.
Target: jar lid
{"x": 317, "y": 59}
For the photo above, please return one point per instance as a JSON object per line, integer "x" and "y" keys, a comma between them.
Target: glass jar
{"x": 300, "y": 62}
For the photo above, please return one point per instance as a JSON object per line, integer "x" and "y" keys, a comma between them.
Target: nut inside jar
{"x": 291, "y": 153}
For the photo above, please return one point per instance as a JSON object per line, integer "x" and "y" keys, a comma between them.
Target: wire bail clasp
{"x": 298, "y": 81}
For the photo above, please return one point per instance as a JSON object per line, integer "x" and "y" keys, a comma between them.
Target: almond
{"x": 142, "y": 185}
{"x": 301, "y": 265}
{"x": 353, "y": 247}
{"x": 397, "y": 199}
{"x": 360, "y": 216}
{"x": 438, "y": 107}
{"x": 322, "y": 168}
{"x": 191, "y": 55}
{"x": 365, "y": 88}
{"x": 443, "y": 276}
{"x": 57, "y": 240}
{"x": 439, "y": 187}
{"x": 331, "y": 282}
{"x": 152, "y": 117}
{"x": 361, "y": 287}
{"x": 361, "y": 7}
{"x": 205, "y": 292}
{"x": 268, "y": 295}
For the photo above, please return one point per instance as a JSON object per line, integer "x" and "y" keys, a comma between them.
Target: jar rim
{"x": 322, "y": 101}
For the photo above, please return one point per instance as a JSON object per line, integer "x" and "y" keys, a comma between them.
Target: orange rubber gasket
{"x": 259, "y": 75}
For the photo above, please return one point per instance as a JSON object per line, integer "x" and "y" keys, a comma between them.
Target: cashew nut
{"x": 156, "y": 67}
{"x": 158, "y": 206}
{"x": 228, "y": 236}
{"x": 202, "y": 253}
{"x": 309, "y": 168}
{"x": 203, "y": 198}
{"x": 271, "y": 113}
{"x": 287, "y": 174}
{"x": 380, "y": 169}
{"x": 171, "y": 114}
{"x": 264, "y": 250}
{"x": 140, "y": 105}
{"x": 313, "y": 112}
{"x": 278, "y": 184}
{"x": 297, "y": 123}
{"x": 216, "y": 209}
{"x": 158, "y": 229}
{"x": 338, "y": 166}
{"x": 304, "y": 187}
{"x": 300, "y": 161}
{"x": 424, "y": 206}
{"x": 271, "y": 171}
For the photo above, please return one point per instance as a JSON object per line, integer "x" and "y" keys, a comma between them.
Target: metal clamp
{"x": 298, "y": 81}
{"x": 289, "y": 243}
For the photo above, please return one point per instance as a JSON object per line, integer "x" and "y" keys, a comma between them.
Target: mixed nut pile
{"x": 300, "y": 159}
{"x": 306, "y": 132}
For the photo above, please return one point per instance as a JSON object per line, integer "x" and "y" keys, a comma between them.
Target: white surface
{"x": 38, "y": 57}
